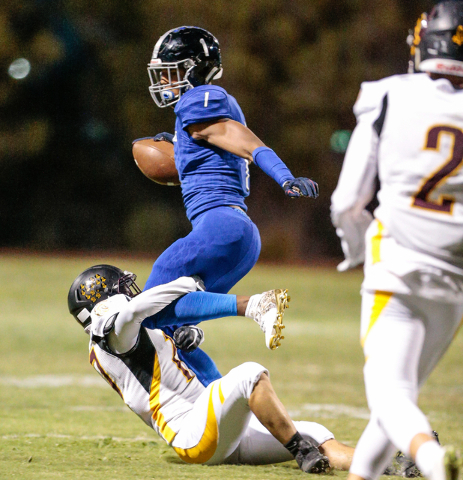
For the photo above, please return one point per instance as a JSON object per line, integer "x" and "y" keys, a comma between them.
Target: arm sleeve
{"x": 356, "y": 185}
{"x": 203, "y": 105}
{"x": 124, "y": 335}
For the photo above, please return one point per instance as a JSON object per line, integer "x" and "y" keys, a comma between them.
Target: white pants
{"x": 403, "y": 337}
{"x": 220, "y": 428}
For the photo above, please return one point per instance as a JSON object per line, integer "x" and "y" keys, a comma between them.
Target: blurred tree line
{"x": 67, "y": 177}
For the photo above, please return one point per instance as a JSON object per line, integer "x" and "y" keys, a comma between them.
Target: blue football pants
{"x": 221, "y": 249}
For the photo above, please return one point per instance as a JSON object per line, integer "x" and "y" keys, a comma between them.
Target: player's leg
{"x": 266, "y": 309}
{"x": 394, "y": 335}
{"x": 259, "y": 447}
{"x": 213, "y": 430}
{"x": 441, "y": 321}
{"x": 222, "y": 247}
{"x": 271, "y": 413}
{"x": 373, "y": 452}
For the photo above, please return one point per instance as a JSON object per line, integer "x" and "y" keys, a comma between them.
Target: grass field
{"x": 59, "y": 419}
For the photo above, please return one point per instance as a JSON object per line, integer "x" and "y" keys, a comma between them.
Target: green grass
{"x": 81, "y": 430}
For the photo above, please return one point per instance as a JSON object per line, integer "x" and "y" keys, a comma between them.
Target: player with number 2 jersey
{"x": 409, "y": 135}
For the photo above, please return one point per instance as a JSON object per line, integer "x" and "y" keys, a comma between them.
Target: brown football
{"x": 156, "y": 161}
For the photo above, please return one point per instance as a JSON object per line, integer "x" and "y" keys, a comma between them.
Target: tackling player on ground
{"x": 236, "y": 419}
{"x": 213, "y": 151}
{"x": 409, "y": 133}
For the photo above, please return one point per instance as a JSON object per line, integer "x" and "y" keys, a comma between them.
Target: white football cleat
{"x": 269, "y": 315}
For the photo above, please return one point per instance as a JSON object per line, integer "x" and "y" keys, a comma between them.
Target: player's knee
{"x": 247, "y": 375}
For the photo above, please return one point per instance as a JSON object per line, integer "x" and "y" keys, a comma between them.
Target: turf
{"x": 60, "y": 420}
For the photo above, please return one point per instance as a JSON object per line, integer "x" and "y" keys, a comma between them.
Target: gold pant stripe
{"x": 376, "y": 243}
{"x": 222, "y": 398}
{"x": 155, "y": 405}
{"x": 207, "y": 446}
{"x": 380, "y": 301}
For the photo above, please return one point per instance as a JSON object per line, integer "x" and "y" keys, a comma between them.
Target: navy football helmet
{"x": 438, "y": 40}
{"x": 95, "y": 285}
{"x": 183, "y": 58}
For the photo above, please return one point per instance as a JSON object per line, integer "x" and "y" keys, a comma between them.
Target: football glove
{"x": 188, "y": 338}
{"x": 301, "y": 187}
{"x": 164, "y": 137}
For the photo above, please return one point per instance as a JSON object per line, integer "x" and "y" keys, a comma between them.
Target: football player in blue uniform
{"x": 213, "y": 151}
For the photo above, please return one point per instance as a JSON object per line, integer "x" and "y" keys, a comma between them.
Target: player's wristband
{"x": 270, "y": 163}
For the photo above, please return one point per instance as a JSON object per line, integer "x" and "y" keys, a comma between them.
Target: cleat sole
{"x": 282, "y": 301}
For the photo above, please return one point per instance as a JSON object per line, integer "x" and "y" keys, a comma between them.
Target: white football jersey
{"x": 149, "y": 377}
{"x": 410, "y": 135}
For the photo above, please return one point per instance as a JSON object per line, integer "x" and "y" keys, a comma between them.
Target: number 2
{"x": 444, "y": 203}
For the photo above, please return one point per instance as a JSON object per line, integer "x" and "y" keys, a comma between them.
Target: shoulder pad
{"x": 370, "y": 97}
{"x": 202, "y": 104}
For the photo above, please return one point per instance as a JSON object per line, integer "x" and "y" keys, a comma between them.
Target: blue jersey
{"x": 210, "y": 176}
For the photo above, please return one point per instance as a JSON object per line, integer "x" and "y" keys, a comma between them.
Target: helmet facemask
{"x": 169, "y": 80}
{"x": 127, "y": 286}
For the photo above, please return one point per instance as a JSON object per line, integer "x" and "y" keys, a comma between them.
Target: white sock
{"x": 429, "y": 460}
{"x": 252, "y": 306}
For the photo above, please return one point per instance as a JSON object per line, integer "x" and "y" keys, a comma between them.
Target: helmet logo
{"x": 458, "y": 37}
{"x": 420, "y": 24}
{"x": 90, "y": 289}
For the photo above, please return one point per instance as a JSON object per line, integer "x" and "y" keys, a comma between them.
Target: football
{"x": 156, "y": 160}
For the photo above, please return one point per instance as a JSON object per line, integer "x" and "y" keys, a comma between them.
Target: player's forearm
{"x": 228, "y": 135}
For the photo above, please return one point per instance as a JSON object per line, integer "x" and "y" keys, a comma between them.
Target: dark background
{"x": 67, "y": 176}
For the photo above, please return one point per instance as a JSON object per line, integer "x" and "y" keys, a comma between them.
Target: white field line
{"x": 54, "y": 381}
{"x": 82, "y": 437}
{"x": 326, "y": 410}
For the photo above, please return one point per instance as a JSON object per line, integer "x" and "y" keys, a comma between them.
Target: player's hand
{"x": 164, "y": 137}
{"x": 188, "y": 338}
{"x": 301, "y": 187}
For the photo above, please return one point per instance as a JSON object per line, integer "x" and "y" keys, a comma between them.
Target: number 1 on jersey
{"x": 421, "y": 198}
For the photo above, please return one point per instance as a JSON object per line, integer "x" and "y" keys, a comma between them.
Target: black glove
{"x": 301, "y": 187}
{"x": 188, "y": 338}
{"x": 164, "y": 136}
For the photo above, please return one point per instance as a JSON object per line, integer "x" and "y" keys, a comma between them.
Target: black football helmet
{"x": 183, "y": 58}
{"x": 438, "y": 45}
{"x": 95, "y": 285}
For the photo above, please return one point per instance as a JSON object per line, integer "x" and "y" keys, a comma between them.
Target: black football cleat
{"x": 310, "y": 460}
{"x": 403, "y": 466}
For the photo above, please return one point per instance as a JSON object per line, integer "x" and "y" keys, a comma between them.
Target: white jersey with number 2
{"x": 409, "y": 135}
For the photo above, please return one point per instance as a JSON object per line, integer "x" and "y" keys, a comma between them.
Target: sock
{"x": 252, "y": 306}
{"x": 201, "y": 306}
{"x": 194, "y": 308}
{"x": 427, "y": 456}
{"x": 293, "y": 444}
